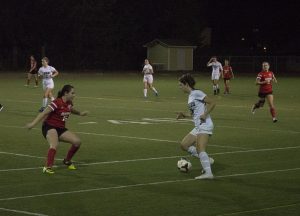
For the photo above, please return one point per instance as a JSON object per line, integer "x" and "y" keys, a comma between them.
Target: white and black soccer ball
{"x": 184, "y": 165}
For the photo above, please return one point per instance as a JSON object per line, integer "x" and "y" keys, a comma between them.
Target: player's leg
{"x": 36, "y": 80}
{"x": 50, "y": 94}
{"x": 29, "y": 75}
{"x": 258, "y": 104}
{"x": 150, "y": 82}
{"x": 270, "y": 99}
{"x": 202, "y": 140}
{"x": 217, "y": 84}
{"x": 145, "y": 81}
{"x": 52, "y": 139}
{"x": 74, "y": 140}
{"x": 227, "y": 85}
{"x": 188, "y": 144}
{"x": 214, "y": 86}
{"x": 45, "y": 99}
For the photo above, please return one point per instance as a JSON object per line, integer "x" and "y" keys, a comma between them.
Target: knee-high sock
{"x": 273, "y": 112}
{"x": 50, "y": 157}
{"x": 204, "y": 159}
{"x": 193, "y": 151}
{"x": 72, "y": 152}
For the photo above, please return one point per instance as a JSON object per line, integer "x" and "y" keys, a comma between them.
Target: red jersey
{"x": 263, "y": 76}
{"x": 60, "y": 113}
{"x": 227, "y": 72}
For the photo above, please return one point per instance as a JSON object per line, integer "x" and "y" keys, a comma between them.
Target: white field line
{"x": 144, "y": 184}
{"x": 21, "y": 212}
{"x": 129, "y": 137}
{"x": 24, "y": 155}
{"x": 259, "y": 210}
{"x": 158, "y": 158}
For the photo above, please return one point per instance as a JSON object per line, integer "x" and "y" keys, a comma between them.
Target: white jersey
{"x": 197, "y": 106}
{"x": 216, "y": 67}
{"x": 147, "y": 69}
{"x": 46, "y": 72}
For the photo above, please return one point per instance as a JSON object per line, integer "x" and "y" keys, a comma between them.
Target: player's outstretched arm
{"x": 76, "y": 112}
{"x": 182, "y": 115}
{"x": 39, "y": 117}
{"x": 274, "y": 78}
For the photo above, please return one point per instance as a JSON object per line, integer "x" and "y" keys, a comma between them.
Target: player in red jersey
{"x": 264, "y": 80}
{"x": 54, "y": 130}
{"x": 227, "y": 75}
{"x": 32, "y": 72}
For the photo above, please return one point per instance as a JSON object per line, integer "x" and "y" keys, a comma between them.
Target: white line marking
{"x": 21, "y": 212}
{"x": 144, "y": 184}
{"x": 258, "y": 210}
{"x": 84, "y": 123}
{"x": 25, "y": 155}
{"x": 157, "y": 158}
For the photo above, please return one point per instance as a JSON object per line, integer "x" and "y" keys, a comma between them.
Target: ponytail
{"x": 65, "y": 89}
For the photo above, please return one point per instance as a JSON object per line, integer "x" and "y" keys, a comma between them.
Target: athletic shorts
{"x": 215, "y": 76}
{"x": 33, "y": 72}
{"x": 227, "y": 78}
{"x": 47, "y": 127}
{"x": 48, "y": 83}
{"x": 148, "y": 78}
{"x": 203, "y": 129}
{"x": 263, "y": 95}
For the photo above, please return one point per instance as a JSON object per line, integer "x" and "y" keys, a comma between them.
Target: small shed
{"x": 171, "y": 55}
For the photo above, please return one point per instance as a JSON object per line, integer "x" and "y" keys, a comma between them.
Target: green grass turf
{"x": 139, "y": 176}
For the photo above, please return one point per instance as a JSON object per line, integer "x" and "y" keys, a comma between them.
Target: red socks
{"x": 273, "y": 113}
{"x": 71, "y": 152}
{"x": 50, "y": 157}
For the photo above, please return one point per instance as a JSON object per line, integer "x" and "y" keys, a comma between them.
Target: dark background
{"x": 110, "y": 34}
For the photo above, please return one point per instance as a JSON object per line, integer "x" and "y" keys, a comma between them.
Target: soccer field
{"x": 130, "y": 148}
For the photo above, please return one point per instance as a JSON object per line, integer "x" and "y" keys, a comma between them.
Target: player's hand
{"x": 29, "y": 126}
{"x": 84, "y": 113}
{"x": 203, "y": 117}
{"x": 180, "y": 115}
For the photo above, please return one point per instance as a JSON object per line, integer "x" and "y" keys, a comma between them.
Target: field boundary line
{"x": 22, "y": 212}
{"x": 157, "y": 158}
{"x": 144, "y": 184}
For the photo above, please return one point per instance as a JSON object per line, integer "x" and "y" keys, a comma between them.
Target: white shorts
{"x": 215, "y": 76}
{"x": 148, "y": 78}
{"x": 48, "y": 83}
{"x": 203, "y": 129}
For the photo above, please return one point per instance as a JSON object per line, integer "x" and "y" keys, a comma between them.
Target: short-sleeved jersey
{"x": 60, "y": 113}
{"x": 227, "y": 72}
{"x": 263, "y": 76}
{"x": 46, "y": 72}
{"x": 216, "y": 67}
{"x": 147, "y": 69}
{"x": 197, "y": 106}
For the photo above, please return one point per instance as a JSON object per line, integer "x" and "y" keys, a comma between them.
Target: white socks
{"x": 193, "y": 151}
{"x": 145, "y": 92}
{"x": 204, "y": 159}
{"x": 45, "y": 102}
{"x": 52, "y": 98}
{"x": 154, "y": 90}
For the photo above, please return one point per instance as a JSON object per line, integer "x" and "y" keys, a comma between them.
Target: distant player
{"x": 265, "y": 79}
{"x": 227, "y": 75}
{"x": 217, "y": 70}
{"x": 47, "y": 72}
{"x": 32, "y": 72}
{"x": 200, "y": 106}
{"x": 148, "y": 78}
{"x": 54, "y": 130}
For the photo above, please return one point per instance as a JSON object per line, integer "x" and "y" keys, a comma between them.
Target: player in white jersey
{"x": 148, "y": 78}
{"x": 217, "y": 70}
{"x": 200, "y": 106}
{"x": 47, "y": 72}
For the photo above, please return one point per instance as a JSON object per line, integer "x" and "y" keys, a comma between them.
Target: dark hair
{"x": 65, "y": 89}
{"x": 46, "y": 59}
{"x": 187, "y": 79}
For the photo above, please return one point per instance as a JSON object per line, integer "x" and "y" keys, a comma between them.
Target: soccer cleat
{"x": 211, "y": 161}
{"x": 274, "y": 120}
{"x": 205, "y": 176}
{"x": 156, "y": 94}
{"x": 215, "y": 92}
{"x": 70, "y": 165}
{"x": 26, "y": 85}
{"x": 1, "y": 107}
{"x": 48, "y": 170}
{"x": 36, "y": 86}
{"x": 41, "y": 109}
{"x": 218, "y": 91}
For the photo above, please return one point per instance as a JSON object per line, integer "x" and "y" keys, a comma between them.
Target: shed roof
{"x": 170, "y": 43}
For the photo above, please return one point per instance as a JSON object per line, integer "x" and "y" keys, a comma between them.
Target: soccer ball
{"x": 184, "y": 165}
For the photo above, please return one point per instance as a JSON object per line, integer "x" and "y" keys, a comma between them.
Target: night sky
{"x": 109, "y": 34}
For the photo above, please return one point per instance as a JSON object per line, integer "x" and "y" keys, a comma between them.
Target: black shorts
{"x": 226, "y": 79}
{"x": 263, "y": 95}
{"x": 47, "y": 127}
{"x": 33, "y": 72}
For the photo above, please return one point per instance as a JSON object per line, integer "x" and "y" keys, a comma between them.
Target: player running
{"x": 47, "y": 72}
{"x": 200, "y": 107}
{"x": 227, "y": 75}
{"x": 32, "y": 72}
{"x": 265, "y": 79}
{"x": 217, "y": 70}
{"x": 148, "y": 78}
{"x": 54, "y": 130}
